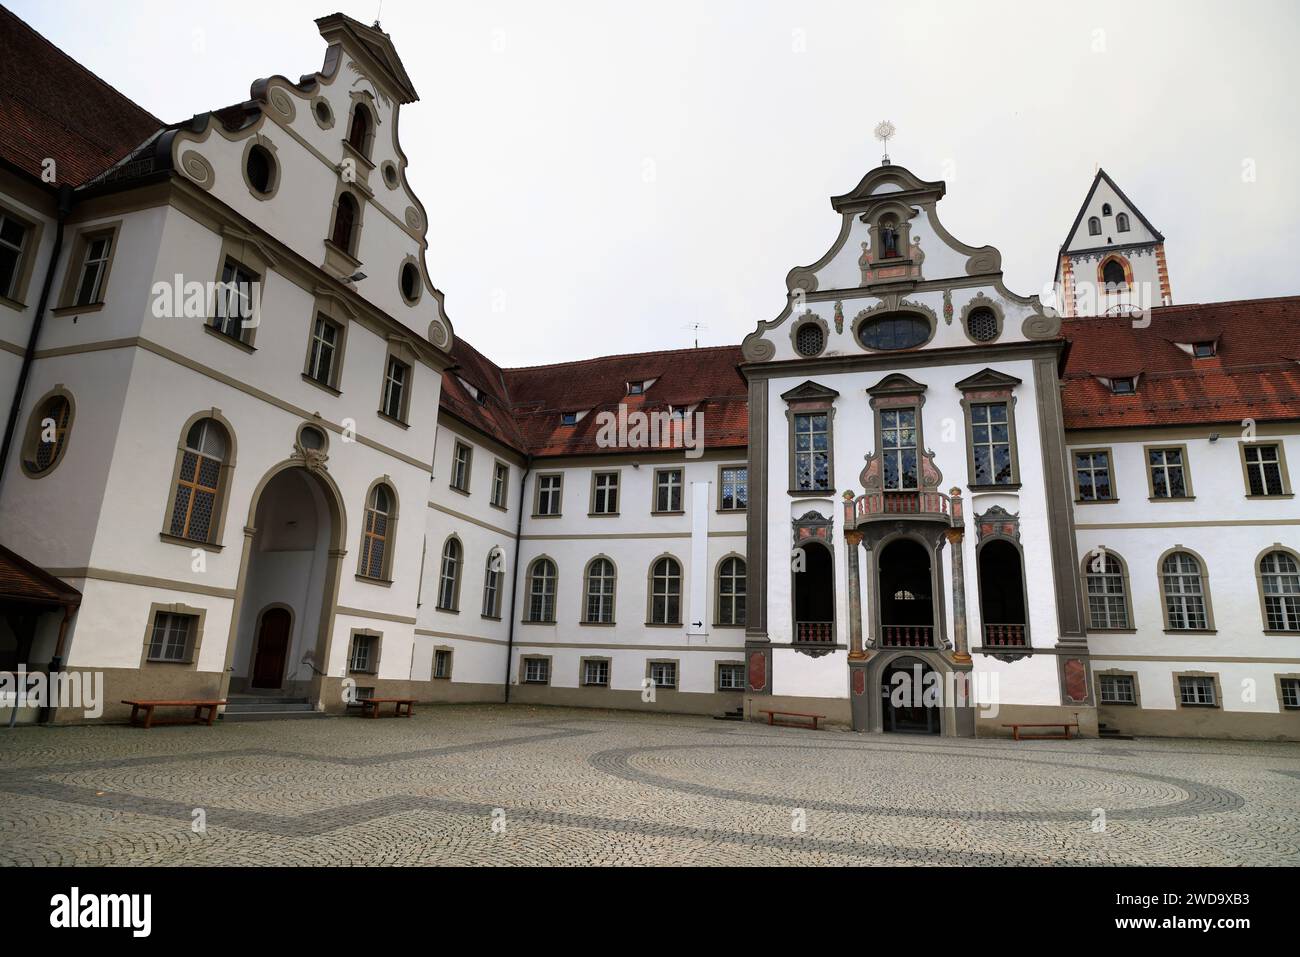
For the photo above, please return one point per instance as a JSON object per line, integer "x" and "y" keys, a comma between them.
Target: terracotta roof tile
{"x": 1254, "y": 374}
{"x": 24, "y": 582}
{"x": 52, "y": 106}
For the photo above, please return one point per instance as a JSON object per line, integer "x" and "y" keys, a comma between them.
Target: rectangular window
{"x": 734, "y": 488}
{"x": 492, "y": 587}
{"x": 595, "y": 672}
{"x": 1123, "y": 386}
{"x": 500, "y": 484}
{"x": 537, "y": 671}
{"x": 668, "y": 490}
{"x": 898, "y": 447}
{"x": 460, "y": 462}
{"x": 1117, "y": 689}
{"x": 395, "y": 380}
{"x": 171, "y": 637}
{"x": 991, "y": 443}
{"x": 663, "y": 674}
{"x": 94, "y": 267}
{"x": 442, "y": 663}
{"x": 1197, "y": 691}
{"x": 549, "y": 489}
{"x": 364, "y": 657}
{"x": 324, "y": 349}
{"x": 235, "y": 300}
{"x": 1092, "y": 476}
{"x": 1290, "y": 693}
{"x": 1168, "y": 473}
{"x": 1264, "y": 469}
{"x": 13, "y": 237}
{"x": 731, "y": 677}
{"x": 604, "y": 493}
{"x": 812, "y": 442}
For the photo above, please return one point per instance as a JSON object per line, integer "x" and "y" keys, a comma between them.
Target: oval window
{"x": 410, "y": 282}
{"x": 894, "y": 332}
{"x": 261, "y": 169}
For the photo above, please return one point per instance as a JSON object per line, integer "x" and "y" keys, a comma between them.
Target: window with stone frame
{"x": 731, "y": 676}
{"x": 364, "y": 656}
{"x": 397, "y": 377}
{"x": 810, "y": 412}
{"x": 1107, "y": 589}
{"x": 598, "y": 587}
{"x": 1116, "y": 689}
{"x": 323, "y": 353}
{"x": 1092, "y": 476}
{"x": 461, "y": 458}
{"x": 663, "y": 674}
{"x": 1184, "y": 592}
{"x": 449, "y": 576}
{"x": 14, "y": 238}
{"x": 549, "y": 490}
{"x": 731, "y": 591}
{"x": 899, "y": 449}
{"x": 541, "y": 591}
{"x": 1168, "y": 472}
{"x": 197, "y": 496}
{"x": 595, "y": 672}
{"x": 1279, "y": 582}
{"x": 537, "y": 671}
{"x": 235, "y": 302}
{"x": 1290, "y": 693}
{"x": 1264, "y": 471}
{"x": 666, "y": 592}
{"x": 172, "y": 637}
{"x": 377, "y": 533}
{"x": 668, "y": 490}
{"x": 1197, "y": 691}
{"x": 442, "y": 663}
{"x": 733, "y": 488}
{"x": 604, "y": 493}
{"x": 500, "y": 484}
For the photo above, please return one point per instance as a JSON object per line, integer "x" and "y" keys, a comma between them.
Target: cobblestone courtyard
{"x": 496, "y": 785}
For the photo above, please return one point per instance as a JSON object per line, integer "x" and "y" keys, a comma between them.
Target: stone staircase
{"x": 262, "y": 707}
{"x": 1112, "y": 734}
{"x": 737, "y": 715}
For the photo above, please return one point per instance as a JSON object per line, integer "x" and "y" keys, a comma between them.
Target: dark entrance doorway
{"x": 814, "y": 595}
{"x": 906, "y": 596}
{"x": 272, "y": 649}
{"x": 903, "y": 697}
{"x": 1002, "y": 594}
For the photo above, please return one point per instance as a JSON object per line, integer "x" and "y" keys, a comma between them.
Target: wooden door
{"x": 272, "y": 649}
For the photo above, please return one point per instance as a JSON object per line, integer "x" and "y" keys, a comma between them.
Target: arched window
{"x": 666, "y": 592}
{"x": 1094, "y": 226}
{"x": 492, "y": 584}
{"x": 896, "y": 331}
{"x": 198, "y": 492}
{"x": 731, "y": 591}
{"x": 598, "y": 588}
{"x": 1279, "y": 581}
{"x": 47, "y": 434}
{"x": 1112, "y": 274}
{"x": 345, "y": 224}
{"x": 1105, "y": 209}
{"x": 1121, "y": 222}
{"x": 1183, "y": 585}
{"x": 377, "y": 534}
{"x": 541, "y": 590}
{"x": 1107, "y": 591}
{"x": 359, "y": 131}
{"x": 449, "y": 576}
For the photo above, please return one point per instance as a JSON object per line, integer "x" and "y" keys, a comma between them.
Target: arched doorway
{"x": 1002, "y": 595}
{"x": 906, "y": 595}
{"x": 911, "y": 697}
{"x": 284, "y": 609}
{"x": 814, "y": 595}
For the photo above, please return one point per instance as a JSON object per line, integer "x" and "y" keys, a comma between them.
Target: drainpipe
{"x": 514, "y": 585}
{"x": 29, "y": 356}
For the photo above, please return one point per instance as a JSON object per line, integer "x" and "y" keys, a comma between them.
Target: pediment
{"x": 988, "y": 379}
{"x": 896, "y": 183}
{"x": 896, "y": 383}
{"x": 810, "y": 391}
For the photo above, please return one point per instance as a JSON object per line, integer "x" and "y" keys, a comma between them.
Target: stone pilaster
{"x": 854, "y": 541}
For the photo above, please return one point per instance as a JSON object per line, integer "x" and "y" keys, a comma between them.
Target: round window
{"x": 261, "y": 169}
{"x": 410, "y": 280}
{"x": 808, "y": 340}
{"x": 311, "y": 438}
{"x": 324, "y": 116}
{"x": 982, "y": 325}
{"x": 390, "y": 175}
{"x": 894, "y": 332}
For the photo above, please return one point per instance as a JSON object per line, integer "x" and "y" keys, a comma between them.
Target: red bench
{"x": 148, "y": 708}
{"x": 771, "y": 718}
{"x": 402, "y": 707}
{"x": 1064, "y": 736}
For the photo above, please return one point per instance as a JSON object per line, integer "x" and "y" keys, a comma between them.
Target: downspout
{"x": 514, "y": 585}
{"x": 65, "y": 203}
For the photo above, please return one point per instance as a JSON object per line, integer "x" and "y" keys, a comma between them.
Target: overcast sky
{"x": 601, "y": 176}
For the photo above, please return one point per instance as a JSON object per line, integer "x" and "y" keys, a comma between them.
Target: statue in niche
{"x": 888, "y": 240}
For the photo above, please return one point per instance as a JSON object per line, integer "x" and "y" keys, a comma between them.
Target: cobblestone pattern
{"x": 483, "y": 784}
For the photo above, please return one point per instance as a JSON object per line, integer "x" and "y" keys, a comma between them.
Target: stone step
{"x": 237, "y": 716}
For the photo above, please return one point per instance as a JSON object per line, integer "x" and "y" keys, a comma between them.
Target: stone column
{"x": 955, "y": 534}
{"x": 854, "y": 540}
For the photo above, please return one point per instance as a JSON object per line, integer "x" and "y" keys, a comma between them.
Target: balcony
{"x": 815, "y": 638}
{"x": 1005, "y": 636}
{"x": 907, "y": 636}
{"x": 923, "y": 504}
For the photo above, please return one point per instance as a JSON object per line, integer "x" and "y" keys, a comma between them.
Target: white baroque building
{"x": 1080, "y": 517}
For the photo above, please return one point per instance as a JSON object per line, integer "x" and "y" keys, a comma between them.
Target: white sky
{"x": 601, "y": 175}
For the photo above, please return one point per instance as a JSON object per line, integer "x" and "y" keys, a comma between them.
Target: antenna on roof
{"x": 883, "y": 131}
{"x": 696, "y": 327}
{"x": 378, "y": 13}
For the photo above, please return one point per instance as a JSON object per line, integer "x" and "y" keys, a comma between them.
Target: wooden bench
{"x": 1064, "y": 736}
{"x": 771, "y": 718}
{"x": 370, "y": 706}
{"x": 148, "y": 707}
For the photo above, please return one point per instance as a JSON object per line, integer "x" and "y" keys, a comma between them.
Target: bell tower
{"x": 1113, "y": 260}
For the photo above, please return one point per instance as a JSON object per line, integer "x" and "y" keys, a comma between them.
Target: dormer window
{"x": 1105, "y": 209}
{"x": 569, "y": 418}
{"x": 1203, "y": 350}
{"x": 1121, "y": 222}
{"x": 359, "y": 131}
{"x": 636, "y": 388}
{"x": 1094, "y": 226}
{"x": 1125, "y": 386}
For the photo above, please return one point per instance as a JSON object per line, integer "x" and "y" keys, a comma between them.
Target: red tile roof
{"x": 1254, "y": 374}
{"x": 23, "y": 582}
{"x": 524, "y": 408}
{"x": 52, "y": 106}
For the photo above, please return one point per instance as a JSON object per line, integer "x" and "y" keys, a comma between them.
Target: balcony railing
{"x": 814, "y": 632}
{"x": 907, "y": 636}
{"x": 880, "y": 505}
{"x": 1005, "y": 636}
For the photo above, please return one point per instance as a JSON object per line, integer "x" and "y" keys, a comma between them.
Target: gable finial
{"x": 884, "y": 130}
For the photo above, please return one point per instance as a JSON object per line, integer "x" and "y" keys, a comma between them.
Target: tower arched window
{"x": 541, "y": 591}
{"x": 359, "y": 132}
{"x": 1094, "y": 226}
{"x": 200, "y": 487}
{"x": 377, "y": 533}
{"x": 345, "y": 224}
{"x": 666, "y": 592}
{"x": 449, "y": 576}
{"x": 1112, "y": 274}
{"x": 1105, "y": 209}
{"x": 1121, "y": 222}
